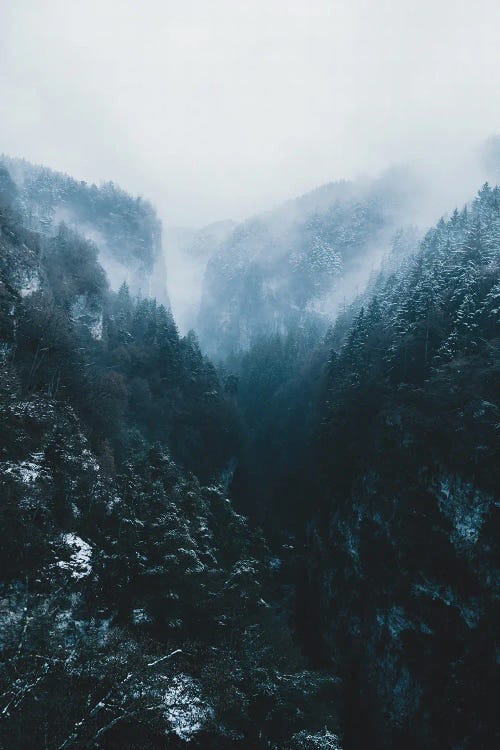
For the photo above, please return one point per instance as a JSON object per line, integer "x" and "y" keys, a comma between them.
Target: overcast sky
{"x": 218, "y": 108}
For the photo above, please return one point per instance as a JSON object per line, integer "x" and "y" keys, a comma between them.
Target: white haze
{"x": 219, "y": 109}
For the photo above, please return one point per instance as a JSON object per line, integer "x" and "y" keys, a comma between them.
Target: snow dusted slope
{"x": 301, "y": 260}
{"x": 133, "y": 600}
{"x": 404, "y": 548}
{"x": 126, "y": 230}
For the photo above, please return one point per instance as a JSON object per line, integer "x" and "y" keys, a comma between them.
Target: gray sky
{"x": 220, "y": 108}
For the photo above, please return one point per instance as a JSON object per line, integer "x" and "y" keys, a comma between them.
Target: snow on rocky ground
{"x": 184, "y": 707}
{"x": 81, "y": 554}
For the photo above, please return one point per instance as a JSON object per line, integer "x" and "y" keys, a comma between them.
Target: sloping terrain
{"x": 135, "y": 605}
{"x": 299, "y": 262}
{"x": 138, "y": 608}
{"x": 403, "y": 550}
{"x": 126, "y": 230}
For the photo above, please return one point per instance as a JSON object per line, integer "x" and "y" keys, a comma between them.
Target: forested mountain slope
{"x": 138, "y": 609}
{"x": 277, "y": 386}
{"x": 402, "y": 552}
{"x": 371, "y": 459}
{"x": 298, "y": 262}
{"x": 126, "y": 230}
{"x": 136, "y": 606}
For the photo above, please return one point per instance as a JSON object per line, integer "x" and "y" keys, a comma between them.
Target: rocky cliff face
{"x": 407, "y": 589}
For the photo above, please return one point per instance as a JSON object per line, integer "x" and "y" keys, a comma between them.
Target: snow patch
{"x": 184, "y": 707}
{"x": 88, "y": 312}
{"x": 26, "y": 472}
{"x": 79, "y": 562}
{"x": 140, "y": 616}
{"x": 31, "y": 286}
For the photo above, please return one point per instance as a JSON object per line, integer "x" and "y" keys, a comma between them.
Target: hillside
{"x": 140, "y": 608}
{"x": 136, "y": 605}
{"x": 126, "y": 230}
{"x": 299, "y": 262}
{"x": 402, "y": 550}
{"x": 372, "y": 453}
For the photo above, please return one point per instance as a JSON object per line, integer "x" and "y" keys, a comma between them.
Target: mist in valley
{"x": 249, "y": 374}
{"x": 418, "y": 195}
{"x": 231, "y": 110}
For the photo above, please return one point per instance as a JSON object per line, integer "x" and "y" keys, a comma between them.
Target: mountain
{"x": 137, "y": 608}
{"x": 300, "y": 261}
{"x": 294, "y": 550}
{"x": 126, "y": 230}
{"x": 371, "y": 460}
{"x": 401, "y": 557}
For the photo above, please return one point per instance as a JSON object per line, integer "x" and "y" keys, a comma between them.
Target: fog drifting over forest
{"x": 249, "y": 374}
{"x": 217, "y": 110}
{"x": 220, "y": 110}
